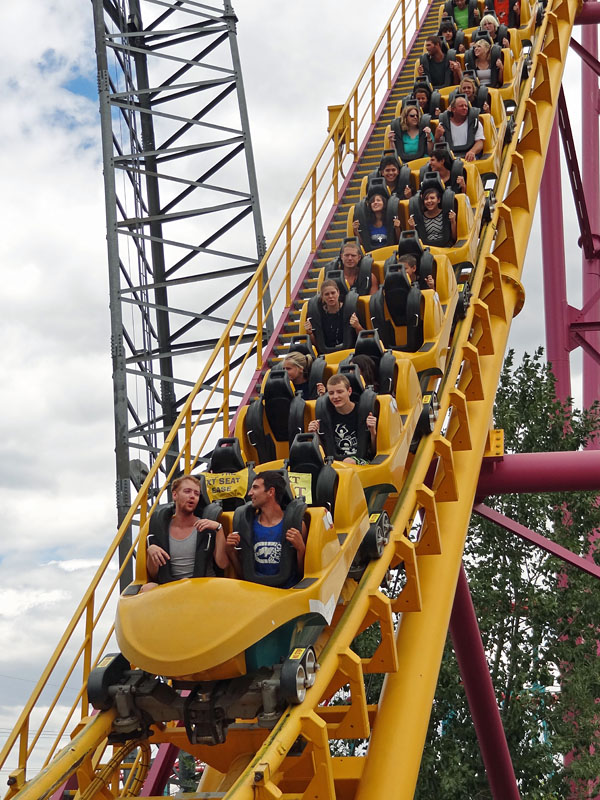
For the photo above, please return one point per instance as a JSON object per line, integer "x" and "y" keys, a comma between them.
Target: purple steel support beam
{"x": 553, "y": 256}
{"x": 587, "y": 348}
{"x": 69, "y": 786}
{"x": 537, "y": 539}
{"x": 522, "y": 473}
{"x": 586, "y": 56}
{"x": 160, "y": 771}
{"x": 589, "y": 14}
{"x": 481, "y": 697}
{"x": 591, "y": 187}
{"x": 578, "y": 322}
{"x": 587, "y": 240}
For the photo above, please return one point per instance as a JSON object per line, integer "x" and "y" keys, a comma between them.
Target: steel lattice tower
{"x": 184, "y": 230}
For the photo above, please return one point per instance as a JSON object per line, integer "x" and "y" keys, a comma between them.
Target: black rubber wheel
{"x": 509, "y": 132}
{"x": 109, "y": 671}
{"x": 464, "y": 300}
{"x": 377, "y": 536}
{"x": 293, "y": 682}
{"x": 429, "y": 414}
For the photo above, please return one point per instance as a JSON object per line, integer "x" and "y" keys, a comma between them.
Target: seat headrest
{"x": 369, "y": 344}
{"x": 431, "y": 180}
{"x": 397, "y": 280}
{"x": 472, "y": 74}
{"x": 301, "y": 343}
{"x": 305, "y": 452}
{"x": 337, "y": 275}
{"x": 442, "y": 150}
{"x": 410, "y": 244}
{"x": 464, "y": 96}
{"x": 350, "y": 240}
{"x": 357, "y": 384}
{"x": 423, "y": 85}
{"x": 388, "y": 159}
{"x": 377, "y": 186}
{"x": 480, "y": 34}
{"x": 227, "y": 456}
{"x": 396, "y": 289}
{"x": 278, "y": 384}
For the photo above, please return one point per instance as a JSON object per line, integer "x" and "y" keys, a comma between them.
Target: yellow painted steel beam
{"x": 75, "y": 756}
{"x": 408, "y": 693}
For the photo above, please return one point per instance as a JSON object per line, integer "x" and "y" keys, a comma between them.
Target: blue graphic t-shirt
{"x": 378, "y": 235}
{"x": 267, "y": 547}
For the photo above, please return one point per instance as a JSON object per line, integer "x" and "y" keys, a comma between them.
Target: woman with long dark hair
{"x": 378, "y": 234}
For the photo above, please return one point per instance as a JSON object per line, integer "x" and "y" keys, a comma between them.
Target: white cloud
{"x": 75, "y": 564}
{"x": 14, "y": 602}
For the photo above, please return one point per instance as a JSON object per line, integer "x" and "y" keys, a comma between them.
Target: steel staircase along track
{"x": 293, "y": 760}
{"x": 369, "y": 161}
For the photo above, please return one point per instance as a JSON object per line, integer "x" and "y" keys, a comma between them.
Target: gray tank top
{"x": 183, "y": 555}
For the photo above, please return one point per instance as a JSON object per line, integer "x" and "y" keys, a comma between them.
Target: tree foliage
{"x": 538, "y": 619}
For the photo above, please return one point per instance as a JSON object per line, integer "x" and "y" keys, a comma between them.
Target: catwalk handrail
{"x": 294, "y": 242}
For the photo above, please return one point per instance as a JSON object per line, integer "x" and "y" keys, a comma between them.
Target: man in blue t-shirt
{"x": 266, "y": 495}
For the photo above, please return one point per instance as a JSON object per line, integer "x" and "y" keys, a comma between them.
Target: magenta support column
{"x": 591, "y": 181}
{"x": 553, "y": 258}
{"x": 475, "y": 673}
{"x": 160, "y": 771}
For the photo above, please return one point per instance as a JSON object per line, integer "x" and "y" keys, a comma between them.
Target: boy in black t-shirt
{"x": 345, "y": 421}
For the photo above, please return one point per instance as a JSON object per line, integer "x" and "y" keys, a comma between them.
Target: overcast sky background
{"x": 56, "y": 426}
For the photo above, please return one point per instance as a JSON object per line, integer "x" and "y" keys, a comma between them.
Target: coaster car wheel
{"x": 298, "y": 673}
{"x": 378, "y": 535}
{"x": 464, "y": 301}
{"x": 429, "y": 413}
{"x": 110, "y": 671}
{"x": 488, "y": 208}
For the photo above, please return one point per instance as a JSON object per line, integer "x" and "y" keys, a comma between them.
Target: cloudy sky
{"x": 57, "y": 463}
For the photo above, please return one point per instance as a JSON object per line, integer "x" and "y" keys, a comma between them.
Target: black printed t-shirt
{"x": 345, "y": 435}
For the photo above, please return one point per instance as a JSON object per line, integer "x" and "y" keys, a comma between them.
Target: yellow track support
{"x": 255, "y": 764}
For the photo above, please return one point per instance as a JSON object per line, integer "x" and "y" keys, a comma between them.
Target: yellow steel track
{"x": 255, "y": 764}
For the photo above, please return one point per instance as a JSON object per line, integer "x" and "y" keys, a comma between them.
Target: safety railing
{"x": 207, "y": 411}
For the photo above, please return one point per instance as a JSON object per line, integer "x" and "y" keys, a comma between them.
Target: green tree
{"x": 538, "y": 619}
{"x": 185, "y": 776}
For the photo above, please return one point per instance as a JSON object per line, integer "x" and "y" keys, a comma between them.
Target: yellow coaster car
{"x": 241, "y": 648}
